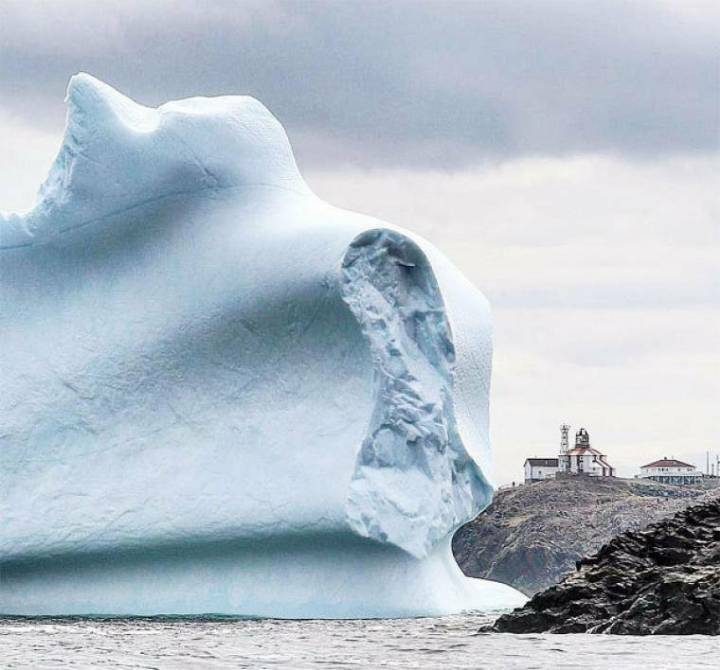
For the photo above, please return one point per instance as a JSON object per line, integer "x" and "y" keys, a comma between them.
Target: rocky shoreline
{"x": 532, "y": 536}
{"x": 662, "y": 580}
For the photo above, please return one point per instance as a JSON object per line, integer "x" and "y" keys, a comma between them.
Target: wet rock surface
{"x": 532, "y": 535}
{"x": 662, "y": 580}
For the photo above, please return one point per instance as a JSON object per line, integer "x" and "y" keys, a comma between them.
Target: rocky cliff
{"x": 663, "y": 580}
{"x": 531, "y": 536}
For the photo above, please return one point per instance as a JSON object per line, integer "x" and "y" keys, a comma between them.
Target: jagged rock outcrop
{"x": 663, "y": 580}
{"x": 532, "y": 535}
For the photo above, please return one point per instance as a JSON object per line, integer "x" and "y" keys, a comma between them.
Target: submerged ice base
{"x": 304, "y": 577}
{"x": 223, "y": 395}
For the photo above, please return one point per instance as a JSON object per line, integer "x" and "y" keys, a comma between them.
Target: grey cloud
{"x": 402, "y": 83}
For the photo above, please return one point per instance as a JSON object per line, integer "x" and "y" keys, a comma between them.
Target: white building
{"x": 537, "y": 469}
{"x": 671, "y": 471}
{"x": 584, "y": 460}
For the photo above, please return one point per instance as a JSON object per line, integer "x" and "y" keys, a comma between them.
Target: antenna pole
{"x": 564, "y": 461}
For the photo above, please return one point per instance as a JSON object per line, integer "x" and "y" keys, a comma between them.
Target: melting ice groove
{"x": 414, "y": 479}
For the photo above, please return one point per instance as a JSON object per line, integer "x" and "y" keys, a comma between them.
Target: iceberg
{"x": 221, "y": 394}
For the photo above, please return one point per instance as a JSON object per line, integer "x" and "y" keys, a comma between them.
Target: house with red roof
{"x": 671, "y": 471}
{"x": 583, "y": 459}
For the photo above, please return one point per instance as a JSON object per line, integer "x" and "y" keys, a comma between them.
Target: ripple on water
{"x": 451, "y": 643}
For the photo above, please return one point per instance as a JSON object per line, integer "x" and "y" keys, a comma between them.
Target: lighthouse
{"x": 583, "y": 458}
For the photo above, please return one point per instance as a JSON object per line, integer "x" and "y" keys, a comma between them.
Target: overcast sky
{"x": 564, "y": 154}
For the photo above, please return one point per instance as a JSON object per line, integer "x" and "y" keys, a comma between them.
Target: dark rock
{"x": 670, "y": 556}
{"x": 664, "y": 580}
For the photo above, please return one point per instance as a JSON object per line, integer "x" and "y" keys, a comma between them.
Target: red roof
{"x": 583, "y": 451}
{"x": 668, "y": 463}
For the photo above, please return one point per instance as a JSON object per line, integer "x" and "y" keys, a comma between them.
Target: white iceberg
{"x": 222, "y": 395}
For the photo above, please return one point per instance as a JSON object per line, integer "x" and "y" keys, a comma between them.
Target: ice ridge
{"x": 117, "y": 155}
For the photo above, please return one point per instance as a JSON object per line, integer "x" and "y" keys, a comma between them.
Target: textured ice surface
{"x": 414, "y": 481}
{"x": 221, "y": 394}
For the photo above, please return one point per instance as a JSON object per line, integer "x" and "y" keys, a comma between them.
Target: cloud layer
{"x": 430, "y": 83}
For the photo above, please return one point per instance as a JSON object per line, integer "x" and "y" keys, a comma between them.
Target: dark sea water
{"x": 449, "y": 643}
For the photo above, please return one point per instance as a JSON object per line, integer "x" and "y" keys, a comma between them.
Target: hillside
{"x": 664, "y": 580}
{"x": 532, "y": 535}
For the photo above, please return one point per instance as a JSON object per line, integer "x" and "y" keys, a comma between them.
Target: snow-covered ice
{"x": 221, "y": 394}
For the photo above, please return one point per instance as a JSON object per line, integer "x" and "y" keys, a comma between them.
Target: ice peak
{"x": 117, "y": 154}
{"x": 90, "y": 98}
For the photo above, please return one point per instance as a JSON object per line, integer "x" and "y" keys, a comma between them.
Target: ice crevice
{"x": 414, "y": 482}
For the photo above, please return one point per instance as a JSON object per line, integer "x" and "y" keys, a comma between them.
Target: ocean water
{"x": 448, "y": 643}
